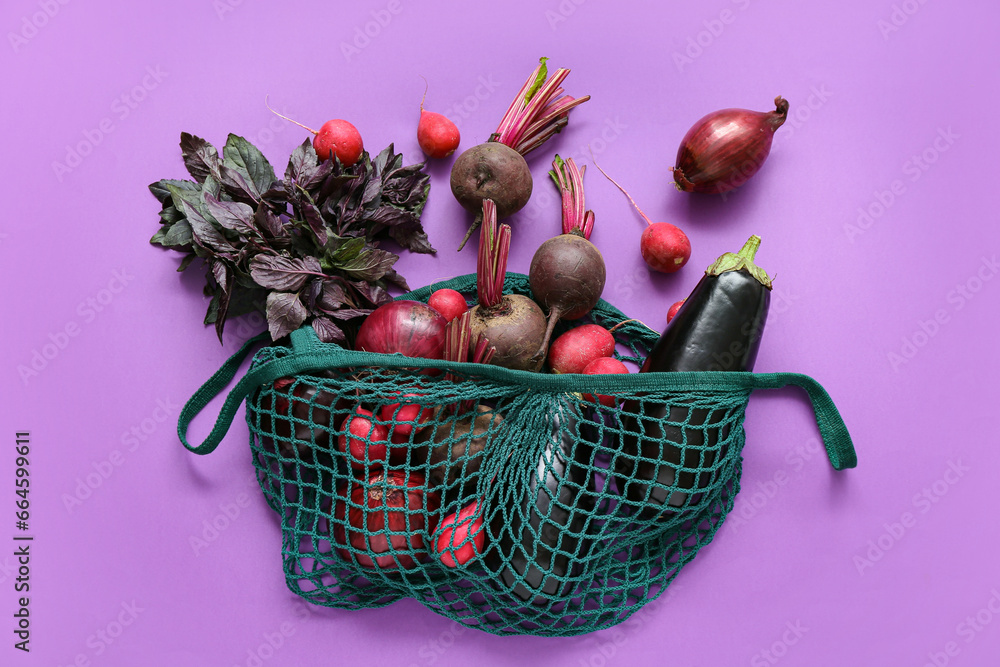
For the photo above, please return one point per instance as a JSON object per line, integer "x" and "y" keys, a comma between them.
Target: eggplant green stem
{"x": 742, "y": 260}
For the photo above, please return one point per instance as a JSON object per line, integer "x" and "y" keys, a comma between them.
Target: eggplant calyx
{"x": 743, "y": 260}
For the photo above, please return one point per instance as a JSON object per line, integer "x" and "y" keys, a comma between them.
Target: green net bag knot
{"x": 494, "y": 497}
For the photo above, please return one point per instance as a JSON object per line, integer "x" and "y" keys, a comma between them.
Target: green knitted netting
{"x": 567, "y": 549}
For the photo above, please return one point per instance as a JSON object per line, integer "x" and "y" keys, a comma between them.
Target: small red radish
{"x": 368, "y": 440}
{"x": 448, "y": 302}
{"x": 572, "y": 351}
{"x": 603, "y": 366}
{"x": 406, "y": 418}
{"x": 673, "y": 310}
{"x": 335, "y": 138}
{"x": 461, "y": 536}
{"x": 665, "y": 247}
{"x": 437, "y": 135}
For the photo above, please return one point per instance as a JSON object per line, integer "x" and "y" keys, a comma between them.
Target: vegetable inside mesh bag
{"x": 363, "y": 487}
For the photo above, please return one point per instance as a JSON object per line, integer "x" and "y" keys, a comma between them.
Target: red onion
{"x": 390, "y": 502}
{"x": 725, "y": 148}
{"x": 411, "y": 328}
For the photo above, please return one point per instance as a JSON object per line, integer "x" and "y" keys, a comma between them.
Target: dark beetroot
{"x": 410, "y": 328}
{"x": 567, "y": 272}
{"x": 496, "y": 169}
{"x": 725, "y": 148}
{"x": 513, "y": 323}
{"x": 391, "y": 501}
{"x": 491, "y": 171}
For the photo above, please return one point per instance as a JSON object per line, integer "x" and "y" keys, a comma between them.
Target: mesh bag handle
{"x": 308, "y": 352}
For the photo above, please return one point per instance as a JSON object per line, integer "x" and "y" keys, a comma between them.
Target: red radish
{"x": 665, "y": 247}
{"x": 572, "y": 351}
{"x": 725, "y": 148}
{"x": 385, "y": 523}
{"x": 410, "y": 328}
{"x": 496, "y": 170}
{"x": 513, "y": 323}
{"x": 437, "y": 135}
{"x": 673, "y": 310}
{"x": 336, "y": 138}
{"x": 448, "y": 302}
{"x": 406, "y": 418}
{"x": 604, "y": 366}
{"x": 365, "y": 441}
{"x": 567, "y": 272}
{"x": 461, "y": 536}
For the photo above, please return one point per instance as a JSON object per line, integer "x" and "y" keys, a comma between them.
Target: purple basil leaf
{"x": 239, "y": 186}
{"x": 372, "y": 293}
{"x": 412, "y": 237}
{"x": 265, "y": 219}
{"x": 205, "y": 234}
{"x": 333, "y": 295}
{"x": 179, "y": 235}
{"x": 313, "y": 218}
{"x": 395, "y": 279}
{"x": 161, "y": 190}
{"x": 200, "y": 157}
{"x": 285, "y": 313}
{"x": 348, "y": 313}
{"x": 281, "y": 273}
{"x": 233, "y": 215}
{"x": 327, "y": 331}
{"x": 245, "y": 158}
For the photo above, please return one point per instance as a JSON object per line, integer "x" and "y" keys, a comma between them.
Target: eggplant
{"x": 545, "y": 535}
{"x": 718, "y": 328}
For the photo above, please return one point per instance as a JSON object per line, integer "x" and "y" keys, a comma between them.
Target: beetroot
{"x": 496, "y": 170}
{"x": 513, "y": 323}
{"x": 567, "y": 272}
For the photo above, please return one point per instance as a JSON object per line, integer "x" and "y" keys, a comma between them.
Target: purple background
{"x": 871, "y": 85}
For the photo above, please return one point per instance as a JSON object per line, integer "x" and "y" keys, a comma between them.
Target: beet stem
{"x": 569, "y": 179}
{"x": 491, "y": 264}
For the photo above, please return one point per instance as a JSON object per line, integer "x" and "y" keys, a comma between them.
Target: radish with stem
{"x": 665, "y": 247}
{"x": 336, "y": 138}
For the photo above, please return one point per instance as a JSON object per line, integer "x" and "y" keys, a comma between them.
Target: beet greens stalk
{"x": 513, "y": 323}
{"x": 457, "y": 346}
{"x": 496, "y": 169}
{"x": 567, "y": 273}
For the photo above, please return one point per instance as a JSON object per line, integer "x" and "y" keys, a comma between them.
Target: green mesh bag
{"x": 372, "y": 505}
